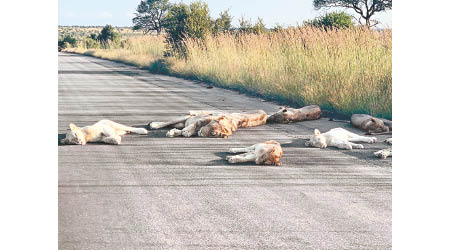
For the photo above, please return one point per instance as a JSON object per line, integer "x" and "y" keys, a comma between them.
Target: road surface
{"x": 153, "y": 192}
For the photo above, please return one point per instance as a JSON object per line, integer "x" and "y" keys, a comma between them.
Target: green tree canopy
{"x": 332, "y": 20}
{"x": 187, "y": 21}
{"x": 108, "y": 34}
{"x": 151, "y": 15}
{"x": 259, "y": 26}
{"x": 223, "y": 23}
{"x": 365, "y": 8}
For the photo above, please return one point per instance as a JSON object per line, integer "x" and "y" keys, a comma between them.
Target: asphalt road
{"x": 153, "y": 192}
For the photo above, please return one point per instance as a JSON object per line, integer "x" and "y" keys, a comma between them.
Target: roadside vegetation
{"x": 327, "y": 61}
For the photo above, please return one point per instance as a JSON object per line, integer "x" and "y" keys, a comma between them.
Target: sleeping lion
{"x": 289, "y": 115}
{"x": 338, "y": 137}
{"x": 211, "y": 123}
{"x": 267, "y": 153}
{"x": 370, "y": 124}
{"x": 103, "y": 131}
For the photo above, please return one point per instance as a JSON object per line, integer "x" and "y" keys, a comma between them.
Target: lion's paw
{"x": 372, "y": 139}
{"x": 388, "y": 141}
{"x": 170, "y": 133}
{"x": 383, "y": 154}
{"x": 186, "y": 134}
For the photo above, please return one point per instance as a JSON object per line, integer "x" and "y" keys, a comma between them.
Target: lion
{"x": 385, "y": 153}
{"x": 338, "y": 137}
{"x": 267, "y": 153}
{"x": 103, "y": 131}
{"x": 371, "y": 124}
{"x": 211, "y": 123}
{"x": 289, "y": 115}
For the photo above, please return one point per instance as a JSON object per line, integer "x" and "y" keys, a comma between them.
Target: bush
{"x": 108, "y": 36}
{"x": 223, "y": 23}
{"x": 337, "y": 20}
{"x": 186, "y": 21}
{"x": 92, "y": 43}
{"x": 259, "y": 27}
{"x": 66, "y": 42}
{"x": 245, "y": 26}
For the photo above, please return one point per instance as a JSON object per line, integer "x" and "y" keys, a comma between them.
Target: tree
{"x": 259, "y": 26}
{"x": 151, "y": 15}
{"x": 187, "y": 21}
{"x": 223, "y": 23}
{"x": 108, "y": 35}
{"x": 277, "y": 28}
{"x": 332, "y": 20}
{"x": 365, "y": 8}
{"x": 245, "y": 26}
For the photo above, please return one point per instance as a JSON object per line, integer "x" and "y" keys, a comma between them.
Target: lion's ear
{"x": 72, "y": 126}
{"x": 316, "y": 132}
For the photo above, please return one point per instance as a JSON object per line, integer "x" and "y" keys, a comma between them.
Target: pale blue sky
{"x": 120, "y": 12}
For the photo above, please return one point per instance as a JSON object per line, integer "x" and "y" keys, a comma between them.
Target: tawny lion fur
{"x": 211, "y": 124}
{"x": 288, "y": 115}
{"x": 267, "y": 153}
{"x": 103, "y": 131}
{"x": 371, "y": 124}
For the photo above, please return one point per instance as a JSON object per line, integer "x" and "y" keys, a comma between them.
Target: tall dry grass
{"x": 138, "y": 50}
{"x": 348, "y": 71}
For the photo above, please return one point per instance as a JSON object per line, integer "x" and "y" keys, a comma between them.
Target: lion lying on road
{"x": 267, "y": 153}
{"x": 338, "y": 137}
{"x": 385, "y": 153}
{"x": 288, "y": 115}
{"x": 371, "y": 124}
{"x": 211, "y": 124}
{"x": 103, "y": 131}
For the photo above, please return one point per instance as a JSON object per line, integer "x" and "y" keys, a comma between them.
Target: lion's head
{"x": 220, "y": 127}
{"x": 374, "y": 125}
{"x": 75, "y": 136}
{"x": 317, "y": 140}
{"x": 281, "y": 116}
{"x": 274, "y": 156}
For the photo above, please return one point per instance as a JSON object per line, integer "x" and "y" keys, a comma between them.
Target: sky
{"x": 120, "y": 12}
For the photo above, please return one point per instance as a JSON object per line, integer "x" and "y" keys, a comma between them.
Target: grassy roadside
{"x": 345, "y": 71}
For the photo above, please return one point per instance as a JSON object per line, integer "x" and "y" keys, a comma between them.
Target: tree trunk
{"x": 368, "y": 22}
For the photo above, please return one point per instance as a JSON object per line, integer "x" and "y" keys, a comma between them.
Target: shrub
{"x": 108, "y": 36}
{"x": 245, "y": 26}
{"x": 223, "y": 23}
{"x": 186, "y": 21}
{"x": 66, "y": 42}
{"x": 259, "y": 27}
{"x": 92, "y": 43}
{"x": 336, "y": 20}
